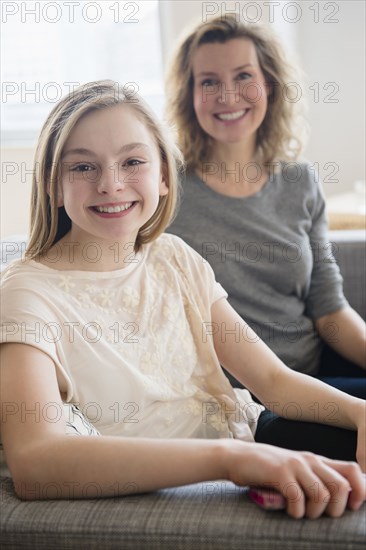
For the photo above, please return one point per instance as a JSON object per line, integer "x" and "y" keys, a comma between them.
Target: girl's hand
{"x": 312, "y": 485}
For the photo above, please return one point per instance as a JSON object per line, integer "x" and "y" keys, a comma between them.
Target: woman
{"x": 250, "y": 209}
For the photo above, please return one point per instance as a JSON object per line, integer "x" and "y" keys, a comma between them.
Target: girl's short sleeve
{"x": 26, "y": 317}
{"x": 197, "y": 271}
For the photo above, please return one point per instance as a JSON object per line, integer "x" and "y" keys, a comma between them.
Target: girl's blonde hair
{"x": 280, "y": 135}
{"x": 49, "y": 223}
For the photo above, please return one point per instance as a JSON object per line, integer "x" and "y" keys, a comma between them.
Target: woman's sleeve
{"x": 325, "y": 294}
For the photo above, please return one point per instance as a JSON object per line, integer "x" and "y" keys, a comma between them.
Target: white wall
{"x": 16, "y": 180}
{"x": 334, "y": 55}
{"x": 328, "y": 52}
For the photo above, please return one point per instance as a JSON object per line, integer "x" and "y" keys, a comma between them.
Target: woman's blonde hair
{"x": 280, "y": 135}
{"x": 49, "y": 223}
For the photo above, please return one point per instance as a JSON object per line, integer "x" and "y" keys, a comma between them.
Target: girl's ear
{"x": 163, "y": 188}
{"x": 163, "y": 185}
{"x": 60, "y": 198}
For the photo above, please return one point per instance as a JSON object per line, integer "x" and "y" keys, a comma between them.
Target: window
{"x": 49, "y": 48}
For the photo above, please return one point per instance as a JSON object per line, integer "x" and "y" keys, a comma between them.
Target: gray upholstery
{"x": 349, "y": 249}
{"x": 215, "y": 515}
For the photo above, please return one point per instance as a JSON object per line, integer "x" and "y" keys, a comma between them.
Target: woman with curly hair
{"x": 251, "y": 208}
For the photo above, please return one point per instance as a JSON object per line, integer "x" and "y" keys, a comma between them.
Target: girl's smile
{"x": 113, "y": 210}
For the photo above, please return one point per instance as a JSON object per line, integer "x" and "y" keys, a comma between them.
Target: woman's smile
{"x": 229, "y": 117}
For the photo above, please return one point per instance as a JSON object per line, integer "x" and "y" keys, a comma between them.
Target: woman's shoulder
{"x": 296, "y": 170}
{"x": 301, "y": 176}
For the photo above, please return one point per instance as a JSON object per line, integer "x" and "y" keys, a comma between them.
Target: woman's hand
{"x": 350, "y": 331}
{"x": 361, "y": 436}
{"x": 312, "y": 485}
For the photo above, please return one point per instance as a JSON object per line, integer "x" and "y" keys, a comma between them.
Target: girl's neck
{"x": 233, "y": 170}
{"x": 93, "y": 255}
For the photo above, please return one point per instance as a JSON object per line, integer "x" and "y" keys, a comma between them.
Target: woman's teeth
{"x": 112, "y": 209}
{"x": 232, "y": 116}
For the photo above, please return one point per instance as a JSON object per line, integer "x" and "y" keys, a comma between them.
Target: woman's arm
{"x": 345, "y": 331}
{"x": 47, "y": 464}
{"x": 263, "y": 373}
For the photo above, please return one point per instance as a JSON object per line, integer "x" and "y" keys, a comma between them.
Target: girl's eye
{"x": 209, "y": 82}
{"x": 82, "y": 168}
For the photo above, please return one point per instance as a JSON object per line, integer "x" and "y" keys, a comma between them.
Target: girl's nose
{"x": 111, "y": 180}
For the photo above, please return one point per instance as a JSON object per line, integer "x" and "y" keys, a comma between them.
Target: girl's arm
{"x": 250, "y": 360}
{"x": 47, "y": 464}
{"x": 39, "y": 453}
{"x": 345, "y": 331}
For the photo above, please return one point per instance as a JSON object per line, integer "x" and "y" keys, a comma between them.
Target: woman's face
{"x": 230, "y": 93}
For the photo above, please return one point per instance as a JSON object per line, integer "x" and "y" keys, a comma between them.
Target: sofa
{"x": 211, "y": 515}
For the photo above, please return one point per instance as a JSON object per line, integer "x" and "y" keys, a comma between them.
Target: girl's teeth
{"x": 113, "y": 209}
{"x": 231, "y": 116}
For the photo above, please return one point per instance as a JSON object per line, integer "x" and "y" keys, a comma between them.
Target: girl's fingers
{"x": 311, "y": 484}
{"x": 310, "y": 495}
{"x": 296, "y": 504}
{"x": 323, "y": 486}
{"x": 356, "y": 479}
{"x": 329, "y": 493}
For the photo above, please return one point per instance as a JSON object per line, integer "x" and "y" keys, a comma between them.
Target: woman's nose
{"x": 111, "y": 180}
{"x": 229, "y": 92}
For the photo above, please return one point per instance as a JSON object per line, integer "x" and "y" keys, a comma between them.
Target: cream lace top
{"x": 131, "y": 346}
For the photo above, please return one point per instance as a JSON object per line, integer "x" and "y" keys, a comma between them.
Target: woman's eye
{"x": 133, "y": 162}
{"x": 244, "y": 76}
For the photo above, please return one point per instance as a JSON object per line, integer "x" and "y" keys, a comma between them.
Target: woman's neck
{"x": 233, "y": 170}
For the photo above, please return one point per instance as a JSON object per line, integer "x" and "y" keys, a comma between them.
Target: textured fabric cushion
{"x": 213, "y": 515}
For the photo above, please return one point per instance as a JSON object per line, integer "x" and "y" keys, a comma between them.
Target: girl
{"x": 108, "y": 316}
{"x": 253, "y": 212}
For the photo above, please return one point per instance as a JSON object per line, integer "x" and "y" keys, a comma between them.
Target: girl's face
{"x": 230, "y": 94}
{"x": 111, "y": 175}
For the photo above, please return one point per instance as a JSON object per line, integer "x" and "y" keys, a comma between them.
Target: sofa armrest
{"x": 349, "y": 249}
{"x": 203, "y": 516}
